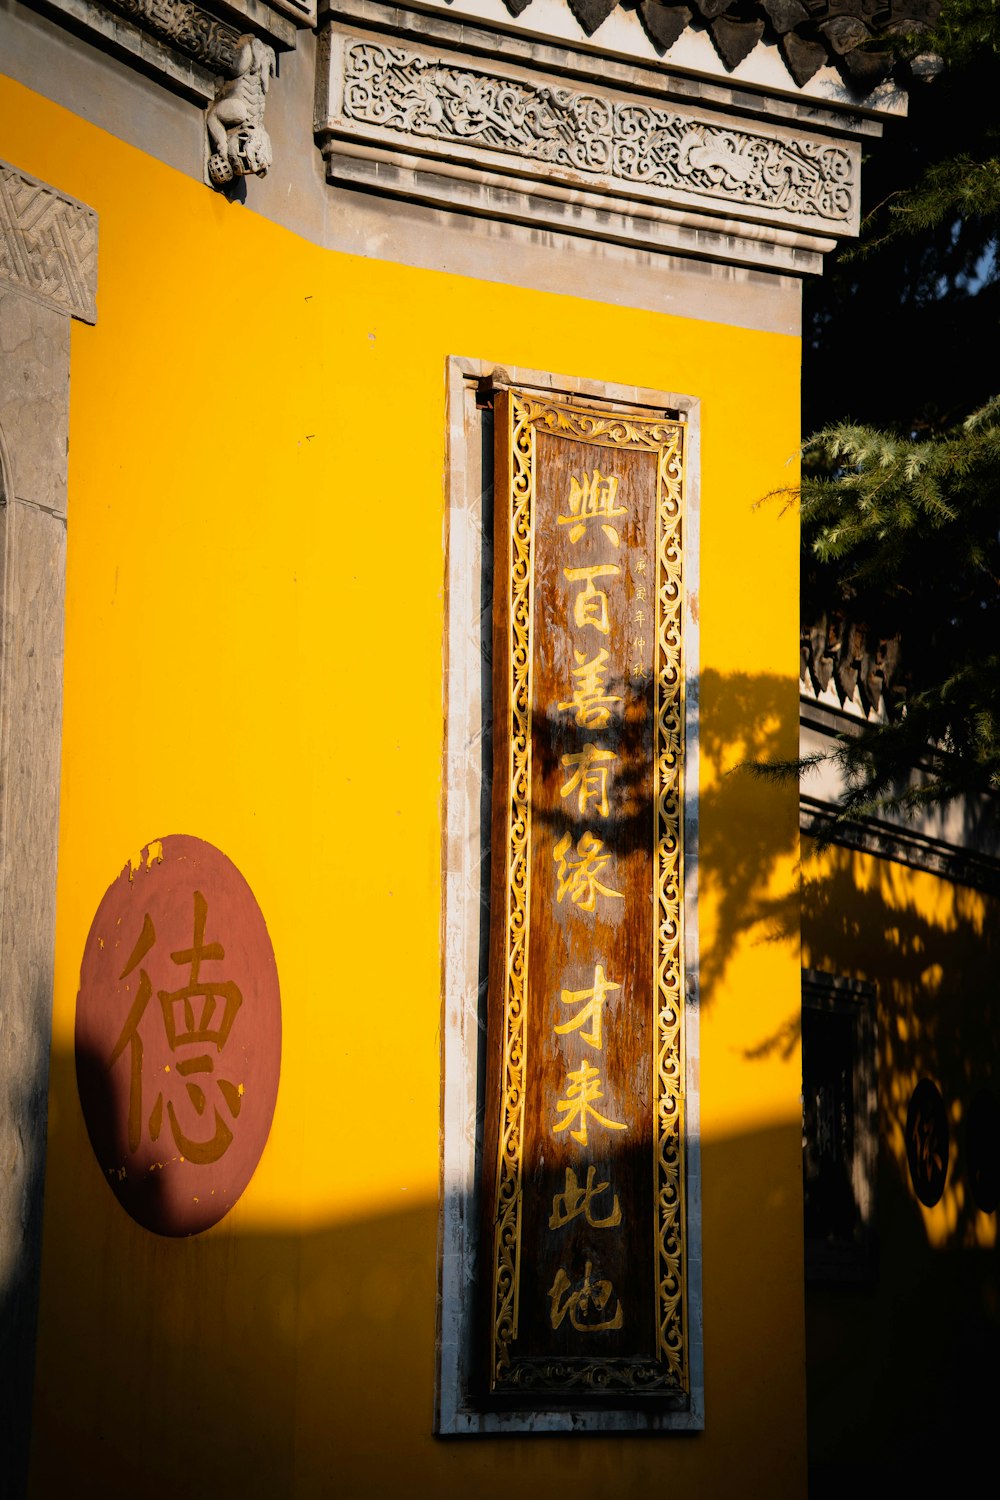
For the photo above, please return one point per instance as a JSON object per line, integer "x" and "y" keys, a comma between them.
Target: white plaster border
{"x": 466, "y": 898}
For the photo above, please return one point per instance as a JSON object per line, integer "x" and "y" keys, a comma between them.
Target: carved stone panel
{"x": 187, "y": 45}
{"x": 188, "y": 27}
{"x": 456, "y": 113}
{"x": 48, "y": 245}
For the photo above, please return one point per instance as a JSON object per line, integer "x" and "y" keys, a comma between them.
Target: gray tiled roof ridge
{"x": 854, "y": 35}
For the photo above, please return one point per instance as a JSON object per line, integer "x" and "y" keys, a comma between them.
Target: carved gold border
{"x": 669, "y": 1373}
{"x": 507, "y": 1241}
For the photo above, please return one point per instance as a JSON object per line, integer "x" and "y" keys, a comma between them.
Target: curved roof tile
{"x": 851, "y": 34}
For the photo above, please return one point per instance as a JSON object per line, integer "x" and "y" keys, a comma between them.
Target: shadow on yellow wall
{"x": 301, "y": 1362}
{"x": 905, "y": 1374}
{"x": 298, "y": 1358}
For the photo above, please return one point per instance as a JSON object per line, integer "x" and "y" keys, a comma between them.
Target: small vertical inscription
{"x": 583, "y": 1186}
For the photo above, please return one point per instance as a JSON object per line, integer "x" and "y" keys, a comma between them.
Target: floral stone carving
{"x": 391, "y": 89}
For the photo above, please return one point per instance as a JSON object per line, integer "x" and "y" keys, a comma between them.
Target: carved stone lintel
{"x": 48, "y": 245}
{"x": 446, "y": 107}
{"x": 240, "y": 145}
{"x": 187, "y": 27}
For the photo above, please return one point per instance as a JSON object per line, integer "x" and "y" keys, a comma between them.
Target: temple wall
{"x": 254, "y": 655}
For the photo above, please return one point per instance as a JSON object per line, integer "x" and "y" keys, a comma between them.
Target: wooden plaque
{"x": 583, "y": 1236}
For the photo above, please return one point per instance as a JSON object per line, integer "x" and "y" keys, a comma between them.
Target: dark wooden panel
{"x": 582, "y": 1251}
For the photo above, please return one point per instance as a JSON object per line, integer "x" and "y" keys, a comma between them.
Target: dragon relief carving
{"x": 797, "y": 176}
{"x": 240, "y": 145}
{"x": 394, "y": 87}
{"x": 400, "y": 90}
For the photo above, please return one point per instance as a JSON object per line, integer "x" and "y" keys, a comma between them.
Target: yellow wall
{"x": 921, "y": 1337}
{"x": 254, "y": 656}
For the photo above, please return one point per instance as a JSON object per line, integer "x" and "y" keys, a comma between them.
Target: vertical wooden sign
{"x": 583, "y": 1241}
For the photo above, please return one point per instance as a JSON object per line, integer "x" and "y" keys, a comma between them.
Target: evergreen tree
{"x": 900, "y": 496}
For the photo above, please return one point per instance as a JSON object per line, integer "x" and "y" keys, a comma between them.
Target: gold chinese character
{"x": 639, "y": 616}
{"x": 576, "y": 1200}
{"x": 592, "y": 1003}
{"x": 640, "y": 590}
{"x": 637, "y": 669}
{"x": 590, "y": 499}
{"x": 589, "y": 698}
{"x": 640, "y": 564}
{"x": 590, "y": 607}
{"x": 639, "y": 643}
{"x": 579, "y": 876}
{"x": 193, "y": 1031}
{"x": 590, "y": 777}
{"x": 584, "y": 1087}
{"x": 578, "y": 1303}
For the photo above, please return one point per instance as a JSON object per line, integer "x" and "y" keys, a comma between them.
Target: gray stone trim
{"x": 468, "y": 644}
{"x": 119, "y": 37}
{"x": 186, "y": 27}
{"x": 497, "y": 139}
{"x": 595, "y": 216}
{"x": 959, "y": 841}
{"x": 904, "y": 845}
{"x": 48, "y": 245}
{"x": 183, "y": 43}
{"x": 35, "y": 309}
{"x": 267, "y": 18}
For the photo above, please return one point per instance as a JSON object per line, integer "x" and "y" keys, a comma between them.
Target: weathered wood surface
{"x": 570, "y": 1268}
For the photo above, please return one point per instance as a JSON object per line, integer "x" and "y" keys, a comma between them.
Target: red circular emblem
{"x": 178, "y": 1035}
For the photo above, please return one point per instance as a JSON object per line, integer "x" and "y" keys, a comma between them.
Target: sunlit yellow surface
{"x": 254, "y": 655}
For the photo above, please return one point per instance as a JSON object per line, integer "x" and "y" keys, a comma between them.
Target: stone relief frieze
{"x": 391, "y": 86}
{"x": 186, "y": 26}
{"x": 48, "y": 245}
{"x": 801, "y": 177}
{"x": 400, "y": 90}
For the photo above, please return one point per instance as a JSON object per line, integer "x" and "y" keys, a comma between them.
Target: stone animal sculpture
{"x": 235, "y": 120}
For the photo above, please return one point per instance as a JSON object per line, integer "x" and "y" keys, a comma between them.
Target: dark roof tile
{"x": 811, "y": 33}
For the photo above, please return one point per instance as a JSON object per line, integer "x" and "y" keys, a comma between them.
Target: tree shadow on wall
{"x": 904, "y": 1375}
{"x": 747, "y": 827}
{"x": 917, "y": 1351}
{"x": 253, "y": 1362}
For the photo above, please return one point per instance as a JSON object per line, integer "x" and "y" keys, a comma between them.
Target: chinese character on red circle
{"x": 178, "y": 1035}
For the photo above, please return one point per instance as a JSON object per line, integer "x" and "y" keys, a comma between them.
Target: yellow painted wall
{"x": 921, "y": 1338}
{"x": 254, "y": 656}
